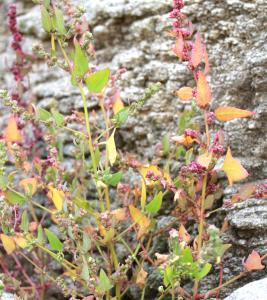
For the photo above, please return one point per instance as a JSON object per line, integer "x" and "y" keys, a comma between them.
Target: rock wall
{"x": 131, "y": 34}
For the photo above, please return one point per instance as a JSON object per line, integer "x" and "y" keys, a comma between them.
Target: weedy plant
{"x": 91, "y": 207}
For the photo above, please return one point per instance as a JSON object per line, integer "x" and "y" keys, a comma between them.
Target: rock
{"x": 256, "y": 290}
{"x": 7, "y": 296}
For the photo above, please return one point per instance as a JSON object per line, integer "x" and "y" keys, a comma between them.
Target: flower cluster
{"x": 193, "y": 168}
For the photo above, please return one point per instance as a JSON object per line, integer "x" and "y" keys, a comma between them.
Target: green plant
{"x": 88, "y": 228}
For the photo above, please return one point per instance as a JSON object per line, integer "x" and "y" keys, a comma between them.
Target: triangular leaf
{"x": 233, "y": 168}
{"x": 60, "y": 21}
{"x": 57, "y": 197}
{"x": 12, "y": 133}
{"x": 8, "y": 243}
{"x": 80, "y": 62}
{"x": 154, "y": 206}
{"x": 14, "y": 197}
{"x": 98, "y": 81}
{"x": 104, "y": 282}
{"x": 253, "y": 262}
{"x": 140, "y": 219}
{"x": 46, "y": 20}
{"x": 53, "y": 240}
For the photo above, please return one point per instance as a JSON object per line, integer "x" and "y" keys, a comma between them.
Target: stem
{"x": 201, "y": 224}
{"x": 211, "y": 292}
{"x": 116, "y": 265}
{"x": 207, "y": 129}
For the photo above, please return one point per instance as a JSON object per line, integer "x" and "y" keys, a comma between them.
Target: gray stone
{"x": 7, "y": 296}
{"x": 256, "y": 290}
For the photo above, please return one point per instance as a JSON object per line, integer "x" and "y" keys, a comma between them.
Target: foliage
{"x": 76, "y": 218}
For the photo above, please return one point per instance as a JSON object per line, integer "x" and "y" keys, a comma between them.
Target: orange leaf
{"x": 183, "y": 140}
{"x": 203, "y": 90}
{"x": 253, "y": 262}
{"x": 12, "y": 133}
{"x": 185, "y": 93}
{"x": 8, "y": 243}
{"x": 233, "y": 168}
{"x": 184, "y": 236}
{"x": 141, "y": 278}
{"x": 119, "y": 214}
{"x": 206, "y": 58}
{"x": 179, "y": 46}
{"x": 197, "y": 51}
{"x": 140, "y": 219}
{"x": 29, "y": 185}
{"x": 229, "y": 113}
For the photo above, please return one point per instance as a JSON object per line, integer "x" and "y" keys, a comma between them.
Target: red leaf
{"x": 253, "y": 262}
{"x": 197, "y": 51}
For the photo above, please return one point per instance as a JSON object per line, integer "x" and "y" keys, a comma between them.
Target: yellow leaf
{"x": 57, "y": 197}
{"x": 203, "y": 90}
{"x": 111, "y": 149}
{"x": 29, "y": 185}
{"x": 141, "y": 278}
{"x": 20, "y": 241}
{"x": 8, "y": 243}
{"x": 12, "y": 133}
{"x": 143, "y": 193}
{"x": 140, "y": 219}
{"x": 185, "y": 93}
{"x": 117, "y": 105}
{"x": 229, "y": 113}
{"x": 205, "y": 159}
{"x": 184, "y": 236}
{"x": 233, "y": 168}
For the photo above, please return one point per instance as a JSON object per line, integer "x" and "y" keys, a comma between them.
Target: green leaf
{"x": 98, "y": 81}
{"x": 86, "y": 242}
{"x": 46, "y": 3}
{"x": 168, "y": 276}
{"x": 121, "y": 117}
{"x": 80, "y": 62}
{"x": 24, "y": 222}
{"x": 154, "y": 206}
{"x": 14, "y": 197}
{"x": 166, "y": 144}
{"x": 209, "y": 202}
{"x": 3, "y": 182}
{"x": 104, "y": 283}
{"x": 112, "y": 179}
{"x": 43, "y": 114}
{"x": 188, "y": 156}
{"x": 83, "y": 203}
{"x": 59, "y": 118}
{"x": 46, "y": 20}
{"x": 53, "y": 240}
{"x": 40, "y": 235}
{"x": 60, "y": 21}
{"x": 186, "y": 256}
{"x": 203, "y": 272}
{"x": 85, "y": 271}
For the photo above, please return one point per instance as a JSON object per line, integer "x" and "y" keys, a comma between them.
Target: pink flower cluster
{"x": 191, "y": 132}
{"x": 16, "y": 40}
{"x": 12, "y": 25}
{"x": 193, "y": 168}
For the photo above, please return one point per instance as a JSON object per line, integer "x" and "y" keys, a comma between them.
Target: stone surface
{"x": 256, "y": 290}
{"x": 131, "y": 34}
